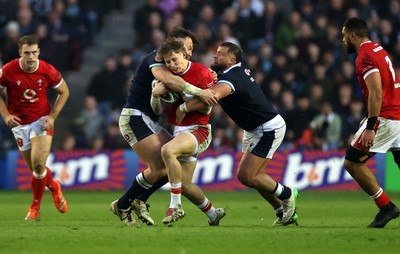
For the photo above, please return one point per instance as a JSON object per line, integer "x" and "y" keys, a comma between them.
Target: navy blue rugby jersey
{"x": 246, "y": 105}
{"x": 140, "y": 89}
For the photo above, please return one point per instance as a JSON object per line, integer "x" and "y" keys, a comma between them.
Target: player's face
{"x": 29, "y": 56}
{"x": 349, "y": 46}
{"x": 222, "y": 59}
{"x": 176, "y": 62}
{"x": 188, "y": 43}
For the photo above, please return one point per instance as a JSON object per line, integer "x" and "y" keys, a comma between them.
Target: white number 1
{"x": 396, "y": 85}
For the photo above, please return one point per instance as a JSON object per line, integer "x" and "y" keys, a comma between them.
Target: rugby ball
{"x": 170, "y": 98}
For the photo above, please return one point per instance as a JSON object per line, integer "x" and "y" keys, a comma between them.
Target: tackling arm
{"x": 221, "y": 90}
{"x": 178, "y": 84}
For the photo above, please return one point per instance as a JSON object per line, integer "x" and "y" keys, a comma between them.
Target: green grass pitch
{"x": 330, "y": 222}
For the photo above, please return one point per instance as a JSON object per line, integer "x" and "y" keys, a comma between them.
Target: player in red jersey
{"x": 381, "y": 131}
{"x": 191, "y": 136}
{"x": 29, "y": 115}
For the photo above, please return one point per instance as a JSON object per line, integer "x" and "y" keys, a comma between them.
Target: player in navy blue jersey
{"x": 264, "y": 129}
{"x": 138, "y": 125}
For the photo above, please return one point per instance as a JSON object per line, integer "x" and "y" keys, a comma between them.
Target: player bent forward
{"x": 264, "y": 129}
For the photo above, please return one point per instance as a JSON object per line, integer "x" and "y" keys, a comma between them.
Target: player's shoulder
{"x": 233, "y": 73}
{"x": 10, "y": 68}
{"x": 199, "y": 67}
{"x": 44, "y": 63}
{"x": 152, "y": 60}
{"x": 370, "y": 48}
{"x": 11, "y": 64}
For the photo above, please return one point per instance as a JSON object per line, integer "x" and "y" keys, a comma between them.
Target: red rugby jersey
{"x": 373, "y": 58}
{"x": 27, "y": 92}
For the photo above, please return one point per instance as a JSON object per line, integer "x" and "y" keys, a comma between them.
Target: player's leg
{"x": 148, "y": 150}
{"x": 386, "y": 137}
{"x": 37, "y": 194}
{"x": 251, "y": 173}
{"x": 146, "y": 138}
{"x": 272, "y": 199}
{"x": 259, "y": 146}
{"x": 141, "y": 134}
{"x": 278, "y": 208}
{"x": 139, "y": 205}
{"x": 367, "y": 181}
{"x": 196, "y": 195}
{"x": 183, "y": 144}
{"x": 21, "y": 135}
{"x": 35, "y": 159}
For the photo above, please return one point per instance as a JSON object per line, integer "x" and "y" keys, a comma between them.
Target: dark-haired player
{"x": 139, "y": 126}
{"x": 380, "y": 85}
{"x": 242, "y": 99}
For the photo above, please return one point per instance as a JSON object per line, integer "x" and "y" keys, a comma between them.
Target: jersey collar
{"x": 233, "y": 66}
{"x": 20, "y": 66}
{"x": 365, "y": 42}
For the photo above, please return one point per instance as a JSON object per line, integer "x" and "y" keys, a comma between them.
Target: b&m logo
{"x": 82, "y": 170}
{"x": 216, "y": 170}
{"x": 316, "y": 171}
{"x": 322, "y": 170}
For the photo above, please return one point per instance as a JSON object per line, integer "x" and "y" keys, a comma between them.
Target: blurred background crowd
{"x": 293, "y": 47}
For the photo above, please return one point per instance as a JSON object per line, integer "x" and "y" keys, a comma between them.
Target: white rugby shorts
{"x": 387, "y": 136}
{"x": 201, "y": 135}
{"x": 24, "y": 133}
{"x": 135, "y": 125}
{"x": 264, "y": 140}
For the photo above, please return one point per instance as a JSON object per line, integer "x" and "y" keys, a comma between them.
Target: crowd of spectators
{"x": 294, "y": 49}
{"x": 65, "y": 29}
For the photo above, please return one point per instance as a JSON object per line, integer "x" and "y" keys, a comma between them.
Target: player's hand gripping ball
{"x": 170, "y": 97}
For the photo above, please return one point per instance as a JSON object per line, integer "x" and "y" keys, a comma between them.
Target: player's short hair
{"x": 357, "y": 26}
{"x": 233, "y": 49}
{"x": 28, "y": 40}
{"x": 171, "y": 45}
{"x": 181, "y": 33}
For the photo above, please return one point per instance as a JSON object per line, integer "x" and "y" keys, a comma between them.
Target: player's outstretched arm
{"x": 179, "y": 85}
{"x": 221, "y": 90}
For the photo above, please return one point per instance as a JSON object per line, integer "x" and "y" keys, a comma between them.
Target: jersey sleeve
{"x": 55, "y": 78}
{"x": 152, "y": 62}
{"x": 224, "y": 79}
{"x": 207, "y": 79}
{"x": 367, "y": 65}
{"x": 2, "y": 79}
{"x": 3, "y": 76}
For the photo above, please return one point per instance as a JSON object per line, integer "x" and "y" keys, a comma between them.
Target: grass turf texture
{"x": 330, "y": 222}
